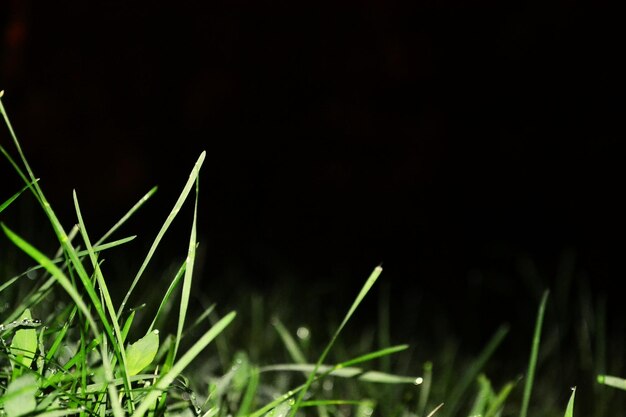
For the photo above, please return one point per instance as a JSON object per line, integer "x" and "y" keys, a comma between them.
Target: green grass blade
{"x": 166, "y": 380}
{"x": 251, "y": 389}
{"x": 528, "y": 386}
{"x": 55, "y": 272}
{"x": 290, "y": 344}
{"x": 168, "y": 221}
{"x": 76, "y": 297}
{"x": 14, "y": 197}
{"x": 569, "y": 411}
{"x": 189, "y": 262}
{"x": 168, "y": 294}
{"x": 126, "y": 216}
{"x": 116, "y": 339}
{"x": 485, "y": 393}
{"x": 425, "y": 391}
{"x": 498, "y": 402}
{"x": 347, "y": 372}
{"x": 612, "y": 381}
{"x": 364, "y": 290}
{"x": 454, "y": 400}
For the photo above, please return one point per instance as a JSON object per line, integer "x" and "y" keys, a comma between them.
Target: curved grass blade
{"x": 168, "y": 221}
{"x": 534, "y": 352}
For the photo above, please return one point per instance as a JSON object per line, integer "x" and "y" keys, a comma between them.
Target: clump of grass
{"x": 68, "y": 347}
{"x": 85, "y": 354}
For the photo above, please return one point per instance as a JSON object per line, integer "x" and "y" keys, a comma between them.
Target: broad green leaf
{"x": 24, "y": 344}
{"x": 141, "y": 353}
{"x": 19, "y": 398}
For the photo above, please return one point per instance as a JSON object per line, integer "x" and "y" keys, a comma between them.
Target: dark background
{"x": 474, "y": 151}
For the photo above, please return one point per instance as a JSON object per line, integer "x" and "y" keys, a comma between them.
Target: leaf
{"x": 24, "y": 344}
{"x": 569, "y": 411}
{"x": 141, "y": 353}
{"x": 19, "y": 398}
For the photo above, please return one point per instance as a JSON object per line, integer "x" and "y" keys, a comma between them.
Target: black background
{"x": 474, "y": 151}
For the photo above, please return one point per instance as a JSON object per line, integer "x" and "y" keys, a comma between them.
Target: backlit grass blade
{"x": 166, "y": 380}
{"x": 460, "y": 389}
{"x": 534, "y": 352}
{"x": 364, "y": 290}
{"x": 168, "y": 221}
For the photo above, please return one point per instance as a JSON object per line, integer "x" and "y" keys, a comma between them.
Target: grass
{"x": 71, "y": 346}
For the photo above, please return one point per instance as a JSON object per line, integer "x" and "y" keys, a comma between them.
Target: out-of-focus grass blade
{"x": 498, "y": 402}
{"x": 425, "y": 391}
{"x": 348, "y": 372}
{"x": 315, "y": 403}
{"x": 612, "y": 381}
{"x": 534, "y": 352}
{"x": 432, "y": 413}
{"x": 251, "y": 389}
{"x": 168, "y": 221}
{"x": 485, "y": 393}
{"x": 292, "y": 347}
{"x": 364, "y": 290}
{"x": 166, "y": 380}
{"x": 459, "y": 390}
{"x": 14, "y": 197}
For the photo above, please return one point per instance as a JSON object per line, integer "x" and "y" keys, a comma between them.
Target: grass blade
{"x": 364, "y": 290}
{"x": 168, "y": 221}
{"x": 528, "y": 386}
{"x": 612, "y": 381}
{"x": 14, "y": 197}
{"x": 454, "y": 401}
{"x": 189, "y": 262}
{"x": 569, "y": 411}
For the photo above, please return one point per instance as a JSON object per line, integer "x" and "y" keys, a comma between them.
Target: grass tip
{"x": 1, "y": 93}
{"x": 419, "y": 380}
